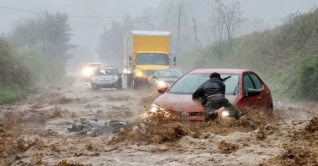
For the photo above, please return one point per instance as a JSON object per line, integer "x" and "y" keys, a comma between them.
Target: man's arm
{"x": 198, "y": 93}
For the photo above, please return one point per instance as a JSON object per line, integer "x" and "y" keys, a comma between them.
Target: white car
{"x": 89, "y": 69}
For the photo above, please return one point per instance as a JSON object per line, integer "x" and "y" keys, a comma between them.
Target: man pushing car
{"x": 212, "y": 96}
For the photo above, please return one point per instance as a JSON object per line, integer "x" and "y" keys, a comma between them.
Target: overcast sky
{"x": 87, "y": 30}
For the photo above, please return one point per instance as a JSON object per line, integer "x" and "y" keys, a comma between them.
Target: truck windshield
{"x": 152, "y": 59}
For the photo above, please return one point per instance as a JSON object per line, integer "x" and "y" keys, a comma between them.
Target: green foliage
{"x": 308, "y": 77}
{"x": 41, "y": 44}
{"x": 286, "y": 56}
{"x": 34, "y": 54}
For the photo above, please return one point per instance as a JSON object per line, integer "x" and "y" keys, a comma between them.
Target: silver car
{"x": 164, "y": 77}
{"x": 106, "y": 77}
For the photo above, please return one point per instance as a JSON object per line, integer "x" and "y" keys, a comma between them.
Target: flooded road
{"x": 35, "y": 132}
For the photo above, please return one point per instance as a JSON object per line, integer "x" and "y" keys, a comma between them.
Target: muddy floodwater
{"x": 35, "y": 132}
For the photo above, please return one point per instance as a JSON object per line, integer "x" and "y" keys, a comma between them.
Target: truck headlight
{"x": 138, "y": 74}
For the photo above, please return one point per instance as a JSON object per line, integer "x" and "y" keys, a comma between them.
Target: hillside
{"x": 286, "y": 56}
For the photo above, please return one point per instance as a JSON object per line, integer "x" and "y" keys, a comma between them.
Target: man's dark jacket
{"x": 213, "y": 86}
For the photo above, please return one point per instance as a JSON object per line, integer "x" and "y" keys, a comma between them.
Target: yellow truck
{"x": 145, "y": 52}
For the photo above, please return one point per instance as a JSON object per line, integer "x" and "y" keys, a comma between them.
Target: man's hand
{"x": 196, "y": 101}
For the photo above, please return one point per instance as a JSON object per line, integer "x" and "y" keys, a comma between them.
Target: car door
{"x": 248, "y": 101}
{"x": 264, "y": 95}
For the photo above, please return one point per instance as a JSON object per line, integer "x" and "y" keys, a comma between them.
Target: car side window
{"x": 247, "y": 83}
{"x": 258, "y": 83}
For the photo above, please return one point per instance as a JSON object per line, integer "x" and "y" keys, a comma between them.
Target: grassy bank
{"x": 286, "y": 57}
{"x": 13, "y": 94}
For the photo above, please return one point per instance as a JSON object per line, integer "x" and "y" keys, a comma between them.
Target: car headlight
{"x": 94, "y": 79}
{"x": 161, "y": 84}
{"x": 115, "y": 78}
{"x": 154, "y": 108}
{"x": 88, "y": 71}
{"x": 126, "y": 71}
{"x": 225, "y": 113}
{"x": 157, "y": 111}
{"x": 138, "y": 74}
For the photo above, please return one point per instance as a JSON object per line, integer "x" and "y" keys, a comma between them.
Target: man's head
{"x": 215, "y": 75}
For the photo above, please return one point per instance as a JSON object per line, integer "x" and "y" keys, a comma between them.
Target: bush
{"x": 308, "y": 79}
{"x": 34, "y": 54}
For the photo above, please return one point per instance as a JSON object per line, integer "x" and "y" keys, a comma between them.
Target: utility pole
{"x": 177, "y": 51}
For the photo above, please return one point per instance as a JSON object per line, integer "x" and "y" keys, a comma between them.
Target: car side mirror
{"x": 120, "y": 74}
{"x": 163, "y": 89}
{"x": 253, "y": 92}
{"x": 154, "y": 77}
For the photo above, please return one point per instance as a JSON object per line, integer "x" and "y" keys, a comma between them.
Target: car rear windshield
{"x": 189, "y": 83}
{"x": 106, "y": 72}
{"x": 169, "y": 73}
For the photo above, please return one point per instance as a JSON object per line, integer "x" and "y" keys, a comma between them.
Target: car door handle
{"x": 267, "y": 93}
{"x": 258, "y": 98}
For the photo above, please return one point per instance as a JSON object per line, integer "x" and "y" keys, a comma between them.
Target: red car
{"x": 244, "y": 89}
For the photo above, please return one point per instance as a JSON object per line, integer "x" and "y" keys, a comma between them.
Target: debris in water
{"x": 227, "y": 148}
{"x": 2, "y": 131}
{"x": 120, "y": 98}
{"x": 295, "y": 155}
{"x": 84, "y": 132}
{"x": 312, "y": 126}
{"x": 121, "y": 108}
{"x": 62, "y": 123}
{"x": 64, "y": 100}
{"x": 90, "y": 106}
{"x": 103, "y": 130}
{"x": 264, "y": 131}
{"x": 117, "y": 125}
{"x": 71, "y": 163}
{"x": 99, "y": 111}
{"x": 76, "y": 128}
{"x": 100, "y": 127}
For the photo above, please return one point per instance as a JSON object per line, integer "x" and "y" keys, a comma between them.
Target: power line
{"x": 70, "y": 15}
{"x": 21, "y": 10}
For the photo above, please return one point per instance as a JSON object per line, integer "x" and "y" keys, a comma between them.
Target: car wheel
{"x": 136, "y": 83}
{"x": 271, "y": 111}
{"x": 129, "y": 81}
{"x": 94, "y": 88}
{"x": 120, "y": 86}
